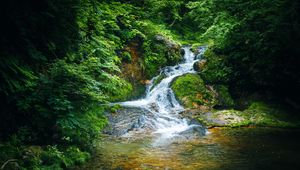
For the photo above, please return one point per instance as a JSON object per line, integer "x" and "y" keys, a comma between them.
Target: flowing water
{"x": 160, "y": 101}
{"x": 164, "y": 140}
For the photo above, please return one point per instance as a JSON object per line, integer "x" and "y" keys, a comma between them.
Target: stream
{"x": 157, "y": 137}
{"x": 163, "y": 109}
{"x": 221, "y": 149}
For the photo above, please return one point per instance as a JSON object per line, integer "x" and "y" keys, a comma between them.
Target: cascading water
{"x": 160, "y": 100}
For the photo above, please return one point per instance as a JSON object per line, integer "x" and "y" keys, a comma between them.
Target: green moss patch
{"x": 257, "y": 114}
{"x": 192, "y": 92}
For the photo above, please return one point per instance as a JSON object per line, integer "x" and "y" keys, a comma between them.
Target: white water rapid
{"x": 160, "y": 100}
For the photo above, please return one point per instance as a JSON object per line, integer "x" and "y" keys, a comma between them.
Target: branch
{"x": 8, "y": 161}
{"x": 172, "y": 23}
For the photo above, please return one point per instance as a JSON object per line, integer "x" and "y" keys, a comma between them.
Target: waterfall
{"x": 160, "y": 100}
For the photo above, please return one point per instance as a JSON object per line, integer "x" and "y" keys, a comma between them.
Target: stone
{"x": 125, "y": 120}
{"x": 199, "y": 65}
{"x": 170, "y": 44}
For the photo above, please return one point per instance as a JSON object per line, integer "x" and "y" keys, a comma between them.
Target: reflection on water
{"x": 240, "y": 148}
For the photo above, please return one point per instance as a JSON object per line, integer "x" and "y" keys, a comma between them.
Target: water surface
{"x": 222, "y": 148}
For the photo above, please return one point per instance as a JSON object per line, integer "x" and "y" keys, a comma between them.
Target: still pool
{"x": 220, "y": 149}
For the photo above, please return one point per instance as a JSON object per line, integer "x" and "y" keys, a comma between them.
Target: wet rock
{"x": 125, "y": 120}
{"x": 131, "y": 69}
{"x": 182, "y": 52}
{"x": 208, "y": 118}
{"x": 139, "y": 123}
{"x": 222, "y": 118}
{"x": 199, "y": 65}
{"x": 199, "y": 51}
{"x": 193, "y": 131}
{"x": 257, "y": 114}
{"x": 154, "y": 107}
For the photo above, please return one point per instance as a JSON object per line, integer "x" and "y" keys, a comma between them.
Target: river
{"x": 220, "y": 149}
{"x": 164, "y": 140}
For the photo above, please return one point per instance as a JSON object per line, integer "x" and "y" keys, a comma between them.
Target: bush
{"x": 126, "y": 57}
{"x": 54, "y": 158}
{"x": 223, "y": 96}
{"x": 215, "y": 71}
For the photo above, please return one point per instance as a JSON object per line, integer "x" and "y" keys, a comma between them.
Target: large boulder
{"x": 160, "y": 51}
{"x": 191, "y": 91}
{"x": 223, "y": 118}
{"x": 257, "y": 114}
{"x": 169, "y": 43}
{"x": 124, "y": 120}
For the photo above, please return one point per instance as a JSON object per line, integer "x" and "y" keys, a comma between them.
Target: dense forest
{"x": 63, "y": 60}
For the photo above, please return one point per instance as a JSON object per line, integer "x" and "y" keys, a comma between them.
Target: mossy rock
{"x": 191, "y": 91}
{"x": 263, "y": 114}
{"x": 227, "y": 118}
{"x": 160, "y": 51}
{"x": 115, "y": 108}
{"x": 198, "y": 65}
{"x": 257, "y": 114}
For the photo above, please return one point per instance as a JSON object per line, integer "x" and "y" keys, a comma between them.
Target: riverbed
{"x": 219, "y": 149}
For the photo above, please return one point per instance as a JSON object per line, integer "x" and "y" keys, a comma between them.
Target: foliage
{"x": 60, "y": 59}
{"x": 223, "y": 96}
{"x": 36, "y": 157}
{"x": 167, "y": 12}
{"x": 126, "y": 57}
{"x": 158, "y": 54}
{"x": 54, "y": 80}
{"x": 160, "y": 47}
{"x": 215, "y": 70}
{"x": 261, "y": 46}
{"x": 256, "y": 39}
{"x": 53, "y": 158}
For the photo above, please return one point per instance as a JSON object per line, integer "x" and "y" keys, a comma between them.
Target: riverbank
{"x": 258, "y": 114}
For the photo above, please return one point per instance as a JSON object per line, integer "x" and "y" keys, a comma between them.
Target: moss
{"x": 122, "y": 92}
{"x": 160, "y": 51}
{"x": 138, "y": 91}
{"x": 191, "y": 91}
{"x": 114, "y": 108}
{"x": 263, "y": 114}
{"x": 261, "y": 106}
{"x": 153, "y": 63}
{"x": 257, "y": 114}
